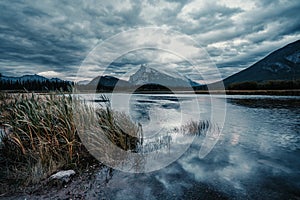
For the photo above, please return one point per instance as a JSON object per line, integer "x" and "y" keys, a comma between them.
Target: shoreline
{"x": 211, "y": 92}
{"x": 99, "y": 184}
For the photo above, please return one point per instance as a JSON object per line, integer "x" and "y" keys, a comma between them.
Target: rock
{"x": 62, "y": 177}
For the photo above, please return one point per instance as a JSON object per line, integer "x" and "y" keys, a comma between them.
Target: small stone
{"x": 62, "y": 176}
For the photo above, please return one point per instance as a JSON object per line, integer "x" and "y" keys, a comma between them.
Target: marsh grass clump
{"x": 197, "y": 128}
{"x": 109, "y": 135}
{"x": 119, "y": 129}
{"x": 42, "y": 137}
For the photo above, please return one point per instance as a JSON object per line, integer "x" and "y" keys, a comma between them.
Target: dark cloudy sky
{"x": 53, "y": 37}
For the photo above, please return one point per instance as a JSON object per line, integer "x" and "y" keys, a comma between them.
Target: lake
{"x": 255, "y": 155}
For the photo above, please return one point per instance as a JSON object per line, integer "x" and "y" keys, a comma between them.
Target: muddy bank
{"x": 86, "y": 185}
{"x": 103, "y": 183}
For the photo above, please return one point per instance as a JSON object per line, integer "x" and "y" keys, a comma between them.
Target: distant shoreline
{"x": 253, "y": 92}
{"x": 295, "y": 92}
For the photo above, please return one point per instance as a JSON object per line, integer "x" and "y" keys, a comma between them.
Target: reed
{"x": 43, "y": 136}
{"x": 108, "y": 134}
{"x": 197, "y": 127}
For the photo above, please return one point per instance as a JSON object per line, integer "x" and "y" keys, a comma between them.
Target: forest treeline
{"x": 266, "y": 85}
{"x": 35, "y": 85}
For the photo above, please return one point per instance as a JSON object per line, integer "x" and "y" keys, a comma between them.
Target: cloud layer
{"x": 56, "y": 36}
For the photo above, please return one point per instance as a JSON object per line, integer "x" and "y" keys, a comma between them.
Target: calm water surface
{"x": 256, "y": 157}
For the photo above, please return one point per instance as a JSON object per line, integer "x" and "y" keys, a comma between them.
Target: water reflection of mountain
{"x": 141, "y": 108}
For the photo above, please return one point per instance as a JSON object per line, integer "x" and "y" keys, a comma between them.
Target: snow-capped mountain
{"x": 148, "y": 75}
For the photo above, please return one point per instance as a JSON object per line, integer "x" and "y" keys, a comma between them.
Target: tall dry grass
{"x": 43, "y": 135}
{"x": 109, "y": 135}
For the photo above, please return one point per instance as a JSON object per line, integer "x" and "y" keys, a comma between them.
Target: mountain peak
{"x": 147, "y": 69}
{"x": 148, "y": 75}
{"x": 143, "y": 66}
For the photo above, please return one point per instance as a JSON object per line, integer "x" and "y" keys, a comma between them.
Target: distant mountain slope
{"x": 24, "y": 78}
{"x": 108, "y": 81}
{"x": 282, "y": 64}
{"x": 148, "y": 75}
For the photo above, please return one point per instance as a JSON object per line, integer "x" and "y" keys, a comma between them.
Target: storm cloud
{"x": 54, "y": 37}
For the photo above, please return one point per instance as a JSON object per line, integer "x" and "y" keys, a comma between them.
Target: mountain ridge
{"x": 145, "y": 75}
{"x": 34, "y": 77}
{"x": 107, "y": 81}
{"x": 282, "y": 64}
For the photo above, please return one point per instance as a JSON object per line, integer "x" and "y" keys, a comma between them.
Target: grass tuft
{"x": 42, "y": 136}
{"x": 197, "y": 128}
